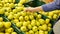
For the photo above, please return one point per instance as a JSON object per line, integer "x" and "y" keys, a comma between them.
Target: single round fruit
{"x": 23, "y": 28}
{"x": 44, "y": 27}
{"x": 9, "y": 30}
{"x": 19, "y": 24}
{"x": 55, "y": 16}
{"x": 41, "y": 32}
{"x": 35, "y": 28}
{"x": 31, "y": 32}
{"x": 41, "y": 21}
{"x": 1, "y": 19}
{"x": 13, "y": 33}
{"x": 29, "y": 26}
{"x": 47, "y": 21}
{"x": 46, "y": 32}
{"x": 21, "y": 18}
{"x": 7, "y": 24}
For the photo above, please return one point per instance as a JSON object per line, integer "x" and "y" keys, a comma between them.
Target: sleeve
{"x": 51, "y": 6}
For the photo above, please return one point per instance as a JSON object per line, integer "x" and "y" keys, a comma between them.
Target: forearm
{"x": 51, "y": 6}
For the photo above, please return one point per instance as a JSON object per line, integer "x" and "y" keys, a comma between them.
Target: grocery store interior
{"x": 29, "y": 17}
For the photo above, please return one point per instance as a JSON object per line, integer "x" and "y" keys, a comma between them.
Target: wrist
{"x": 39, "y": 9}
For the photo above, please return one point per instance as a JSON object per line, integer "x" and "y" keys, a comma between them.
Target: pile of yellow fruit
{"x": 30, "y": 23}
{"x": 5, "y": 27}
{"x": 52, "y": 14}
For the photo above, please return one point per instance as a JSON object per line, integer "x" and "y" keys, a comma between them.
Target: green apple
{"x": 23, "y": 13}
{"x": 35, "y": 28}
{"x": 41, "y": 21}
{"x": 9, "y": 30}
{"x": 33, "y": 23}
{"x": 1, "y": 19}
{"x": 31, "y": 17}
{"x": 31, "y": 32}
{"x": 28, "y": 22}
{"x": 14, "y": 11}
{"x": 6, "y": 13}
{"x": 49, "y": 25}
{"x": 27, "y": 33}
{"x": 44, "y": 27}
{"x": 11, "y": 5}
{"x": 37, "y": 32}
{"x": 15, "y": 20}
{"x": 49, "y": 28}
{"x": 23, "y": 28}
{"x": 21, "y": 18}
{"x": 37, "y": 23}
{"x": 29, "y": 26}
{"x": 46, "y": 32}
{"x": 13, "y": 33}
{"x": 7, "y": 24}
{"x": 1, "y": 24}
{"x": 19, "y": 24}
{"x": 39, "y": 27}
{"x": 41, "y": 32}
{"x": 47, "y": 21}
{"x": 27, "y": 18}
{"x": 16, "y": 16}
{"x": 10, "y": 16}
{"x": 25, "y": 24}
{"x": 39, "y": 16}
{"x": 7, "y": 33}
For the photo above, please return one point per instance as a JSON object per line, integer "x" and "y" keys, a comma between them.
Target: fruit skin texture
{"x": 19, "y": 24}
{"x": 27, "y": 33}
{"x": 23, "y": 28}
{"x": 29, "y": 26}
{"x": 44, "y": 27}
{"x": 35, "y": 28}
{"x": 13, "y": 33}
{"x": 9, "y": 30}
{"x": 41, "y": 21}
{"x": 31, "y": 32}
{"x": 1, "y": 24}
{"x": 37, "y": 32}
{"x": 7, "y": 24}
{"x": 46, "y": 32}
{"x": 21, "y": 18}
{"x": 25, "y": 23}
{"x": 7, "y": 33}
{"x": 37, "y": 23}
{"x": 55, "y": 16}
{"x": 1, "y": 19}
{"x": 41, "y": 32}
{"x": 47, "y": 21}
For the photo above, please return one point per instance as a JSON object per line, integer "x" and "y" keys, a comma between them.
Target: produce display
{"x": 5, "y": 27}
{"x": 52, "y": 15}
{"x": 27, "y": 22}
